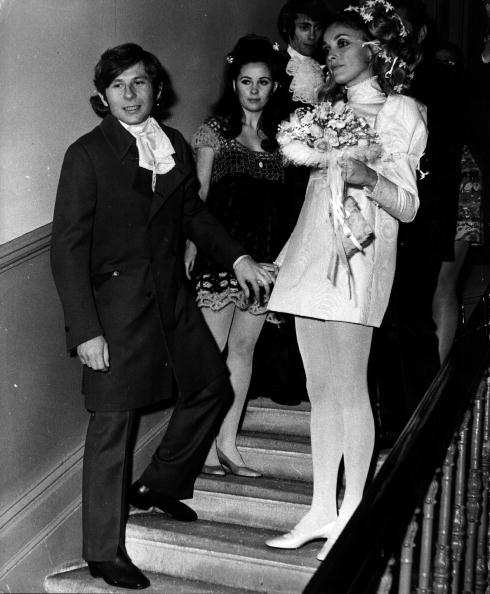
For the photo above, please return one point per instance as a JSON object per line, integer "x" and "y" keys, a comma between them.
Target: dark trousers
{"x": 172, "y": 470}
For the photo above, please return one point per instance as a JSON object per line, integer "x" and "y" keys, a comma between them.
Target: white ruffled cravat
{"x": 307, "y": 76}
{"x": 154, "y": 147}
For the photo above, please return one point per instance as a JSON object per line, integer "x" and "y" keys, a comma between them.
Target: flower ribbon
{"x": 334, "y": 187}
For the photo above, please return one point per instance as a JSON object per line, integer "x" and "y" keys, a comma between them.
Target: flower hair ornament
{"x": 366, "y": 11}
{"x": 231, "y": 57}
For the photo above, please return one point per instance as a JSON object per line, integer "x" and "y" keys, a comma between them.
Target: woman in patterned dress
{"x": 335, "y": 316}
{"x": 241, "y": 176}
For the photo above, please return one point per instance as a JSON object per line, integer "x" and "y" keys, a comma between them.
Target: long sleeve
{"x": 199, "y": 224}
{"x": 71, "y": 246}
{"x": 403, "y": 130}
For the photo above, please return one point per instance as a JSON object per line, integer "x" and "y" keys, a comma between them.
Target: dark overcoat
{"x": 117, "y": 261}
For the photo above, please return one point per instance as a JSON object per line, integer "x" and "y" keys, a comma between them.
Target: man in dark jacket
{"x": 126, "y": 198}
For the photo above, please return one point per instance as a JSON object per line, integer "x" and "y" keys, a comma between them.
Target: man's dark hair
{"x": 118, "y": 59}
{"x": 316, "y": 10}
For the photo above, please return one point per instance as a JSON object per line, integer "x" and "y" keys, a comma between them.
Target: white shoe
{"x": 296, "y": 538}
{"x": 325, "y": 550}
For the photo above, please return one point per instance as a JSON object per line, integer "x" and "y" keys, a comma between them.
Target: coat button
{"x": 116, "y": 273}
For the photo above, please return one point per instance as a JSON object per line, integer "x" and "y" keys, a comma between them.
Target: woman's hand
{"x": 189, "y": 257}
{"x": 357, "y": 173}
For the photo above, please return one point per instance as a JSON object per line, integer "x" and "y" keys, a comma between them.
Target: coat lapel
{"x": 166, "y": 185}
{"x": 124, "y": 146}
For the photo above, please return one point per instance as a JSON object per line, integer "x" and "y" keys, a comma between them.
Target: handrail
{"x": 358, "y": 559}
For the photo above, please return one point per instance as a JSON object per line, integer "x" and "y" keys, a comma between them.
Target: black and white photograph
{"x": 245, "y": 296}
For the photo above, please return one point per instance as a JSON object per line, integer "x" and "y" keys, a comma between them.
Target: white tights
{"x": 335, "y": 357}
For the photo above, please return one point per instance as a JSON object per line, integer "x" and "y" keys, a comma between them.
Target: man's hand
{"x": 94, "y": 353}
{"x": 248, "y": 272}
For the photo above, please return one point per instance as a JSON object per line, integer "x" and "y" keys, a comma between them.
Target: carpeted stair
{"x": 224, "y": 551}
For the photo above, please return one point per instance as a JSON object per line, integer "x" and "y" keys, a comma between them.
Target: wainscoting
{"x": 42, "y": 422}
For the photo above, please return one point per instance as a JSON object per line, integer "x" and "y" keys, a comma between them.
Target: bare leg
{"x": 240, "y": 330}
{"x": 244, "y": 333}
{"x": 335, "y": 356}
{"x": 445, "y": 303}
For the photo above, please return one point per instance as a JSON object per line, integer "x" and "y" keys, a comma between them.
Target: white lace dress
{"x": 303, "y": 287}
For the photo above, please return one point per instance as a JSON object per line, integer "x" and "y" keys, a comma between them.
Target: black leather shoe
{"x": 143, "y": 497}
{"x": 121, "y": 572}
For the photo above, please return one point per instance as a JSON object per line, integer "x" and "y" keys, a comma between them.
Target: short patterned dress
{"x": 469, "y": 224}
{"x": 245, "y": 195}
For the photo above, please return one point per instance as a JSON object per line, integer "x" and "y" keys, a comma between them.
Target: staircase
{"x": 224, "y": 552}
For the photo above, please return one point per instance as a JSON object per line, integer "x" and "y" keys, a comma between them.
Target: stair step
{"x": 278, "y": 456}
{"x": 262, "y": 502}
{"x": 219, "y": 553}
{"x": 78, "y": 579}
{"x": 267, "y": 416}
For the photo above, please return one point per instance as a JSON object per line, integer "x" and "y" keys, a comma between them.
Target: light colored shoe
{"x": 216, "y": 470}
{"x": 297, "y": 538}
{"x": 236, "y": 469}
{"x": 325, "y": 550}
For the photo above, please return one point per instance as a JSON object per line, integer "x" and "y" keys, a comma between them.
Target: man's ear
{"x": 422, "y": 33}
{"x": 160, "y": 90}
{"x": 103, "y": 99}
{"x": 276, "y": 84}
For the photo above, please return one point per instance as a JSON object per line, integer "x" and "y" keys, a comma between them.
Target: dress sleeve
{"x": 403, "y": 131}
{"x": 208, "y": 134}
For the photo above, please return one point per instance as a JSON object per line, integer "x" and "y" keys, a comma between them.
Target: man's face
{"x": 130, "y": 95}
{"x": 306, "y": 36}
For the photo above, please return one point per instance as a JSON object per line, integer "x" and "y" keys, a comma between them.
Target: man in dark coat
{"x": 127, "y": 196}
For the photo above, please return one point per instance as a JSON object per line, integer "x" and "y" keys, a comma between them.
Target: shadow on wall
{"x": 168, "y": 98}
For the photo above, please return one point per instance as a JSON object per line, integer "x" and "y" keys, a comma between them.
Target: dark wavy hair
{"x": 116, "y": 60}
{"x": 316, "y": 10}
{"x": 251, "y": 49}
{"x": 395, "y": 73}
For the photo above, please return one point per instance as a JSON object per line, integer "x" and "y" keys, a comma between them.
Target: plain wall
{"x": 48, "y": 49}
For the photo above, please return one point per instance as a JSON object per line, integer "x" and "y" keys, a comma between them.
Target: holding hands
{"x": 258, "y": 276}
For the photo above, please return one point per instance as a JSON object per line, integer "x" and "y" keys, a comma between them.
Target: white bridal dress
{"x": 360, "y": 293}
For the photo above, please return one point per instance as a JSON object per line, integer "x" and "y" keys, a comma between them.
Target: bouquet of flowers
{"x": 321, "y": 136}
{"x": 314, "y": 136}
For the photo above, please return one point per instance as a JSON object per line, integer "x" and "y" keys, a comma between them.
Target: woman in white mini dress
{"x": 369, "y": 57}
